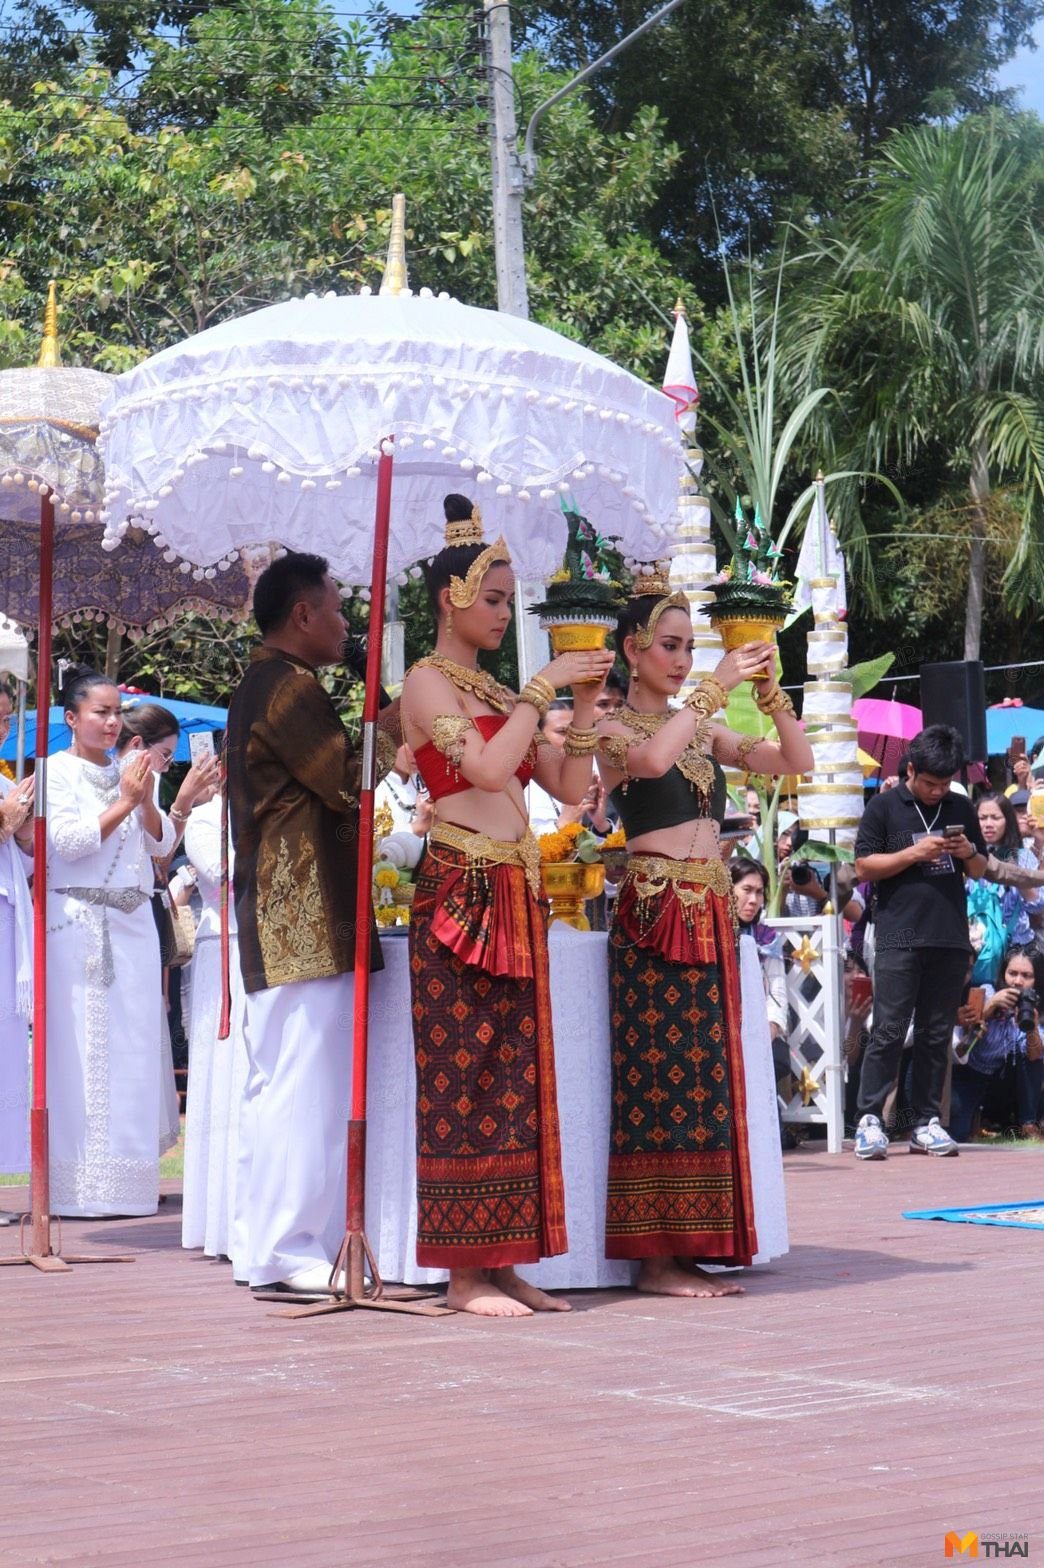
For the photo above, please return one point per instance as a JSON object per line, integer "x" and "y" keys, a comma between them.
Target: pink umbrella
{"x": 885, "y": 727}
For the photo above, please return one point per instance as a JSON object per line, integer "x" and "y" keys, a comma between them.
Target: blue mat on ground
{"x": 1019, "y": 1216}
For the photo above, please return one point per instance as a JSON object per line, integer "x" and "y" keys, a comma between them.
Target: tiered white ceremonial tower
{"x": 831, "y": 804}
{"x": 693, "y": 567}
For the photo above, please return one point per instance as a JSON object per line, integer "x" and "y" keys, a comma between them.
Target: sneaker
{"x": 932, "y": 1138}
{"x": 871, "y": 1140}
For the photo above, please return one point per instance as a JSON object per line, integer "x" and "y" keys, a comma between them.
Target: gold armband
{"x": 579, "y": 742}
{"x": 708, "y": 698}
{"x": 614, "y": 749}
{"x": 774, "y": 701}
{"x": 744, "y": 749}
{"x": 447, "y": 735}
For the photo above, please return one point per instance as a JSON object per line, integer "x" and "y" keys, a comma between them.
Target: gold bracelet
{"x": 708, "y": 698}
{"x": 543, "y": 685}
{"x": 533, "y": 694}
{"x": 580, "y": 742}
{"x": 776, "y": 701}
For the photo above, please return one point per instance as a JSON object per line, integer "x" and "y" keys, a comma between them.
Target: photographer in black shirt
{"x": 917, "y": 842}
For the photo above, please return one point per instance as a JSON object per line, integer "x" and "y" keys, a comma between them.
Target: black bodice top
{"x": 647, "y": 805}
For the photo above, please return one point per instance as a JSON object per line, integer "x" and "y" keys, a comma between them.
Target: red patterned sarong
{"x": 679, "y": 1171}
{"x": 489, "y": 1166}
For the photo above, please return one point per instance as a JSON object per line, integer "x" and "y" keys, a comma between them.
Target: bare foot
{"x": 471, "y": 1291}
{"x": 519, "y": 1290}
{"x": 665, "y": 1277}
{"x": 724, "y": 1288}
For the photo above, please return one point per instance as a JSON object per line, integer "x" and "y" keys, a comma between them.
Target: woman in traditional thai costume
{"x": 489, "y": 1181}
{"x": 680, "y": 1188}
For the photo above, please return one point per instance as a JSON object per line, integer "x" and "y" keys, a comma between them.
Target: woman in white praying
{"x": 149, "y": 728}
{"x": 104, "y": 1042}
{"x": 16, "y": 970}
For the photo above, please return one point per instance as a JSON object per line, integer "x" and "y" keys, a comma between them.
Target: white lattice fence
{"x": 813, "y": 957}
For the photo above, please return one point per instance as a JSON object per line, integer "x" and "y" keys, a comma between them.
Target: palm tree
{"x": 927, "y": 312}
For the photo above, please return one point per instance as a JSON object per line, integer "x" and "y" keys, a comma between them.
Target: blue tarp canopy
{"x": 192, "y": 716}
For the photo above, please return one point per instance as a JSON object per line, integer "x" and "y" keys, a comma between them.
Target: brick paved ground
{"x": 881, "y": 1385}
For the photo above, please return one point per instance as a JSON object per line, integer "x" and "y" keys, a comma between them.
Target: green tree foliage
{"x": 927, "y": 308}
{"x": 775, "y": 105}
{"x": 256, "y": 160}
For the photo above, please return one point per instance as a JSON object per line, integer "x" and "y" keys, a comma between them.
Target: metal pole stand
{"x": 355, "y": 1259}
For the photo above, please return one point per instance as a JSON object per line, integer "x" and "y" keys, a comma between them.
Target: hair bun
{"x": 457, "y": 508}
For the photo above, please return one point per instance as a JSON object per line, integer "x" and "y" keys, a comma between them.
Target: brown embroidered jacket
{"x": 293, "y": 782}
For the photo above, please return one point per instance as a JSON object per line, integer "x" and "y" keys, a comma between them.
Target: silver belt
{"x": 127, "y": 899}
{"x": 100, "y": 966}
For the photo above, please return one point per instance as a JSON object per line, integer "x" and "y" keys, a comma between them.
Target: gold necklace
{"x": 693, "y": 764}
{"x": 478, "y": 682}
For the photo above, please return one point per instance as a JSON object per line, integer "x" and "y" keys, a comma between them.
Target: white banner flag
{"x": 679, "y": 379}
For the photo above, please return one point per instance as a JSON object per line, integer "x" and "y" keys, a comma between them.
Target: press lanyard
{"x": 927, "y": 828}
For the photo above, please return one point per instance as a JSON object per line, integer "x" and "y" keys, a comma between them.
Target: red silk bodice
{"x": 442, "y": 778}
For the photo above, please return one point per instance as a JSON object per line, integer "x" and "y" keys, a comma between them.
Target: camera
{"x": 1026, "y": 1010}
{"x": 801, "y": 874}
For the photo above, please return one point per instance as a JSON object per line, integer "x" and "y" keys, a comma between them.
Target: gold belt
{"x": 481, "y": 850}
{"x": 659, "y": 870}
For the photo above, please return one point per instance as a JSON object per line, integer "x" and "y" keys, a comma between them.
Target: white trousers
{"x": 292, "y": 1204}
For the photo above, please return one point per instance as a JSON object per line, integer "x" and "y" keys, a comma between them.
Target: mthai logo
{"x": 972, "y": 1544}
{"x": 961, "y": 1545}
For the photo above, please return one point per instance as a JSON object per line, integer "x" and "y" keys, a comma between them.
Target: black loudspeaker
{"x": 955, "y": 693}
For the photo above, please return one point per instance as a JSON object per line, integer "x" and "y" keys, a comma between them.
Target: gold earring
{"x": 634, "y": 674}
{"x": 449, "y": 622}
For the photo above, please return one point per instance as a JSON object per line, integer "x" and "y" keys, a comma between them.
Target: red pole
{"x": 38, "y": 1132}
{"x": 356, "y": 1196}
{"x": 225, "y": 1022}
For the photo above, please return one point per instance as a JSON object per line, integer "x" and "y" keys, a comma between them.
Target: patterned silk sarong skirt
{"x": 679, "y": 1171}
{"x": 489, "y": 1166}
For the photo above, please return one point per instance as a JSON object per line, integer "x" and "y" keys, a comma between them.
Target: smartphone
{"x": 1016, "y": 750}
{"x": 952, "y": 830}
{"x": 977, "y": 1000}
{"x": 861, "y": 989}
{"x": 201, "y": 746}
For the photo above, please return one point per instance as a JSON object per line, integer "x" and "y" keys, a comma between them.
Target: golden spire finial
{"x": 679, "y": 309}
{"x": 50, "y": 357}
{"x": 395, "y": 278}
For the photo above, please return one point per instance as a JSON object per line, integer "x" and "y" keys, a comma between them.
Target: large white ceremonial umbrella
{"x": 288, "y": 425}
{"x": 52, "y": 567}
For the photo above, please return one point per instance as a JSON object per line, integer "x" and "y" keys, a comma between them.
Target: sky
{"x": 1026, "y": 72}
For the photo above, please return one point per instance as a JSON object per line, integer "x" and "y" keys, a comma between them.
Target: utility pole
{"x": 512, "y": 297}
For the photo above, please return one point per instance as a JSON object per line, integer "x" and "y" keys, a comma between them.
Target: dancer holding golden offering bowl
{"x": 489, "y": 1177}
{"x": 680, "y": 1188}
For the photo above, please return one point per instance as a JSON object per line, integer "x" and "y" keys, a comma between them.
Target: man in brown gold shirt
{"x": 293, "y": 781}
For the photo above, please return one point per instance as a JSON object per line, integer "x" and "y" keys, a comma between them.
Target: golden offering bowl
{"x": 578, "y": 637}
{"x": 566, "y": 884}
{"x": 737, "y": 630}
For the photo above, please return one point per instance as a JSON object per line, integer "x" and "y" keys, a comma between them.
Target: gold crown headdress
{"x": 652, "y": 579}
{"x": 463, "y": 591}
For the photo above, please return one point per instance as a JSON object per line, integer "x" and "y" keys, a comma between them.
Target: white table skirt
{"x": 580, "y": 1011}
